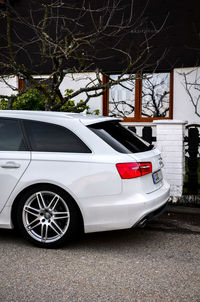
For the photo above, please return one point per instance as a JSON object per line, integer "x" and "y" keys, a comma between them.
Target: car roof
{"x": 86, "y": 119}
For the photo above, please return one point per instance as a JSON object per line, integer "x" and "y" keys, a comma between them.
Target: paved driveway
{"x": 158, "y": 263}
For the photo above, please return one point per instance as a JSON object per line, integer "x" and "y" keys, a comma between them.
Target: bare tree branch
{"x": 68, "y": 37}
{"x": 191, "y": 86}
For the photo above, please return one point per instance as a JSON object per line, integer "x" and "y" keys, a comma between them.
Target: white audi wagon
{"x": 62, "y": 173}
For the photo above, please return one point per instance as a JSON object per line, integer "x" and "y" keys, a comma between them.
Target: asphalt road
{"x": 158, "y": 263}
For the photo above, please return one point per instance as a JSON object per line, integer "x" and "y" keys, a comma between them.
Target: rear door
{"x": 14, "y": 157}
{"x": 59, "y": 156}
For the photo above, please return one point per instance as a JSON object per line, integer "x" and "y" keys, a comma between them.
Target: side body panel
{"x": 13, "y": 164}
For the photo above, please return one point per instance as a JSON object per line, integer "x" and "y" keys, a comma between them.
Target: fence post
{"x": 170, "y": 141}
{"x": 193, "y": 145}
{"x": 147, "y": 134}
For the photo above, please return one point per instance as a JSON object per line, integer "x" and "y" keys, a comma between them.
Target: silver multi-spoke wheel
{"x": 46, "y": 216}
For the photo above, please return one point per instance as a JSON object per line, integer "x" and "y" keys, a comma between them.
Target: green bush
{"x": 30, "y": 100}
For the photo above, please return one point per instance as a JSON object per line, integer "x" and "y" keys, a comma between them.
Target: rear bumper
{"x": 153, "y": 215}
{"x": 124, "y": 211}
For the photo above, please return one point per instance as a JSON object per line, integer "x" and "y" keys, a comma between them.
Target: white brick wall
{"x": 170, "y": 136}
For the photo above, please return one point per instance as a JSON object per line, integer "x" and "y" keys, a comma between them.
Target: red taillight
{"x": 133, "y": 170}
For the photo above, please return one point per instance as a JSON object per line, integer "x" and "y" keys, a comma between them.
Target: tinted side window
{"x": 120, "y": 138}
{"x": 52, "y": 138}
{"x": 11, "y": 136}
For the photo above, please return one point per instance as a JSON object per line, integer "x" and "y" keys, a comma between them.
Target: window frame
{"x": 138, "y": 101}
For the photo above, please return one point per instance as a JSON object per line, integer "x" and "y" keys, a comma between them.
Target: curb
{"x": 183, "y": 210}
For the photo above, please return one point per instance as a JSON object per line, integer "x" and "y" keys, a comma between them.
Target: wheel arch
{"x": 38, "y": 185}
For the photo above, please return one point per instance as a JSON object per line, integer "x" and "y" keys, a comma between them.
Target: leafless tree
{"x": 191, "y": 83}
{"x": 155, "y": 95}
{"x": 68, "y": 37}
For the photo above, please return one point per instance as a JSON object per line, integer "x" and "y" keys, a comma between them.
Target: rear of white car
{"x": 144, "y": 193}
{"x": 96, "y": 174}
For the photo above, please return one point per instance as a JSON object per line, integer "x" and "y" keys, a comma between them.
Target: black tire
{"x": 47, "y": 216}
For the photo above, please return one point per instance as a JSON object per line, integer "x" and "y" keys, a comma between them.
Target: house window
{"x": 141, "y": 99}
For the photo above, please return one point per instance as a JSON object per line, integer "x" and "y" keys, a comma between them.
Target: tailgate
{"x": 150, "y": 182}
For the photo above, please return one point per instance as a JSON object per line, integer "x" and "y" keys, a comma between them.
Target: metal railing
{"x": 192, "y": 154}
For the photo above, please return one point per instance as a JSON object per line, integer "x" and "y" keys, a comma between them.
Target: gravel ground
{"x": 160, "y": 262}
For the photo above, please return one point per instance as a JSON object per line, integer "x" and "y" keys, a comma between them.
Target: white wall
{"x": 170, "y": 137}
{"x": 183, "y": 107}
{"x": 77, "y": 81}
{"x": 8, "y": 86}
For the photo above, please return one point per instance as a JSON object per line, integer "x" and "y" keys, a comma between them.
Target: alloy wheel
{"x": 46, "y": 216}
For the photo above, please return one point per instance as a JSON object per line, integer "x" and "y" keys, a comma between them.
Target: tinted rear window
{"x": 120, "y": 138}
{"x": 11, "y": 137}
{"x": 48, "y": 137}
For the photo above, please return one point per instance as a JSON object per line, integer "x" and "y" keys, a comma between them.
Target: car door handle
{"x": 10, "y": 165}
